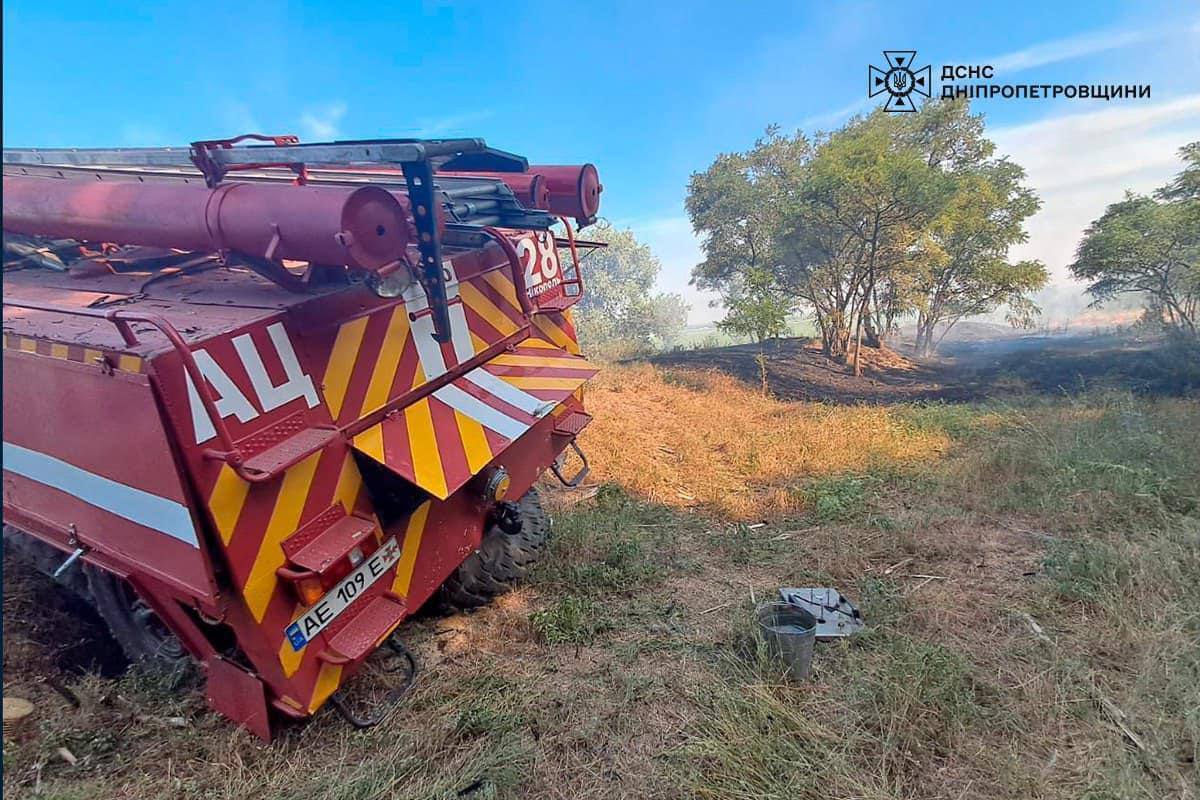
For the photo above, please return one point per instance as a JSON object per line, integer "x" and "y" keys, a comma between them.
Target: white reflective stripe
{"x": 505, "y": 391}
{"x": 429, "y": 352}
{"x": 433, "y": 364}
{"x": 428, "y": 349}
{"x": 150, "y": 510}
{"x": 480, "y": 411}
{"x": 460, "y": 336}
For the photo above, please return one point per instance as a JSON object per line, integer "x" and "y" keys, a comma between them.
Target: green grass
{"x": 1091, "y": 571}
{"x": 616, "y": 544}
{"x": 1111, "y": 482}
{"x": 744, "y": 545}
{"x": 880, "y": 711}
{"x": 1112, "y": 479}
{"x": 629, "y": 666}
{"x": 841, "y": 497}
{"x": 1109, "y": 458}
{"x": 569, "y": 620}
{"x": 963, "y": 422}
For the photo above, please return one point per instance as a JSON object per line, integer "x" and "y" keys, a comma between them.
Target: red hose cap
{"x": 574, "y": 190}
{"x": 589, "y": 190}
{"x": 375, "y": 227}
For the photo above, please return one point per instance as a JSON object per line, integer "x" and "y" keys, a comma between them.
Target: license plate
{"x": 339, "y": 598}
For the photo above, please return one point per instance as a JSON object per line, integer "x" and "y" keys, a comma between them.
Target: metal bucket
{"x": 788, "y": 632}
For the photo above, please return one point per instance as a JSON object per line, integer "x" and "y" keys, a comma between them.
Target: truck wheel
{"x": 135, "y": 626}
{"x": 503, "y": 558}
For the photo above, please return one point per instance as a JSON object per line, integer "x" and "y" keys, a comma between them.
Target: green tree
{"x": 620, "y": 311}
{"x": 739, "y": 204}
{"x": 757, "y": 308}
{"x": 889, "y": 215}
{"x": 960, "y": 264}
{"x": 1150, "y": 245}
{"x": 871, "y": 196}
{"x": 961, "y": 268}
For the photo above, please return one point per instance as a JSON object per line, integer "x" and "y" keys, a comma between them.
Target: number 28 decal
{"x": 539, "y": 260}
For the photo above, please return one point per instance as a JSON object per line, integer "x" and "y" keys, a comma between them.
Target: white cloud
{"x": 1079, "y": 163}
{"x": 1073, "y": 47}
{"x": 321, "y": 123}
{"x": 454, "y": 123}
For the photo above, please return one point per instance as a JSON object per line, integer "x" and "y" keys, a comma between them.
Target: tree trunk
{"x": 858, "y": 326}
{"x": 871, "y": 335}
{"x": 924, "y": 341}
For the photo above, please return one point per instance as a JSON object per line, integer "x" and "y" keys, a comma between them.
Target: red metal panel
{"x": 374, "y": 621}
{"x": 74, "y": 469}
{"x": 238, "y": 695}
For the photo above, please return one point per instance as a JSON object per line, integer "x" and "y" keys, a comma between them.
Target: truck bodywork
{"x": 281, "y": 476}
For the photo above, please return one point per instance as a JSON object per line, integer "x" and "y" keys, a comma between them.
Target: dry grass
{"x": 1053, "y": 656}
{"x": 686, "y": 438}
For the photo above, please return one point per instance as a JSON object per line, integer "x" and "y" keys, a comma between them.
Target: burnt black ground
{"x": 963, "y": 370}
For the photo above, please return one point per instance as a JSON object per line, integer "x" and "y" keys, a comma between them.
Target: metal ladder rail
{"x": 383, "y": 151}
{"x": 215, "y": 158}
{"x": 468, "y": 201}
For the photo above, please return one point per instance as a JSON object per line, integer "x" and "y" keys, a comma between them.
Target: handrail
{"x": 514, "y": 261}
{"x": 578, "y": 279}
{"x": 121, "y": 318}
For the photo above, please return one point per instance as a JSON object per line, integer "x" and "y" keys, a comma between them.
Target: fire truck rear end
{"x": 263, "y": 400}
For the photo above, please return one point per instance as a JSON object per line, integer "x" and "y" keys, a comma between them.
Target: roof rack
{"x": 469, "y": 203}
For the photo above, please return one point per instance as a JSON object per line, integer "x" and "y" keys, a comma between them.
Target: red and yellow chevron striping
{"x": 437, "y": 442}
{"x": 376, "y": 358}
{"x": 547, "y": 373}
{"x": 442, "y": 440}
{"x": 559, "y": 328}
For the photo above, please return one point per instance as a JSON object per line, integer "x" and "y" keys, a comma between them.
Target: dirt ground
{"x": 968, "y": 367}
{"x": 1029, "y": 570}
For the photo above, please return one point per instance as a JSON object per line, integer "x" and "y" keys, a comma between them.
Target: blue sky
{"x": 650, "y": 92}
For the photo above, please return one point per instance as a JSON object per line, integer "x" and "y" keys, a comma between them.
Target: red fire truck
{"x": 264, "y": 399}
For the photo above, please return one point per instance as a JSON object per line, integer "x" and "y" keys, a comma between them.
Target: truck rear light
{"x": 309, "y": 590}
{"x": 309, "y": 587}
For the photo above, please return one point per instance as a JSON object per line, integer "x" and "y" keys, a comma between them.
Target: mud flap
{"x": 235, "y": 693}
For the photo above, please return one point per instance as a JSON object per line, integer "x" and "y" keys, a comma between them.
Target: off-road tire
{"x": 502, "y": 560}
{"x": 143, "y": 637}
